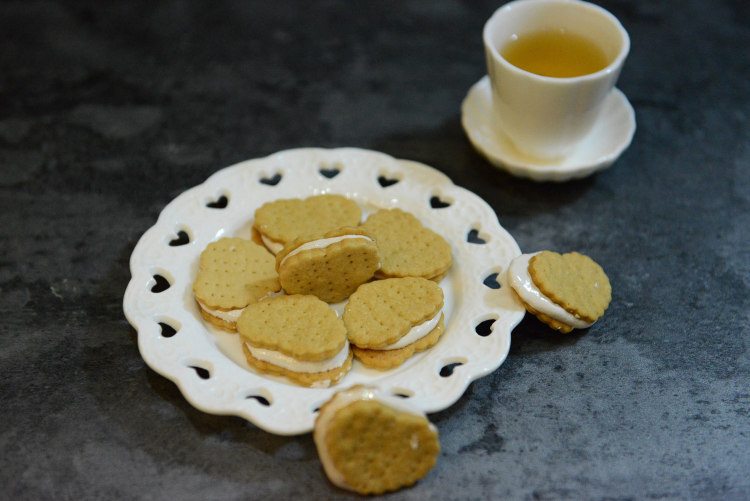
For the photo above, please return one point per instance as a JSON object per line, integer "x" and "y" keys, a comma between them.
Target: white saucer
{"x": 611, "y": 135}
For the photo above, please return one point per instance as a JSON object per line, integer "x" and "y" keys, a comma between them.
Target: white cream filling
{"x": 338, "y": 402}
{"x": 520, "y": 280}
{"x": 272, "y": 245}
{"x": 232, "y": 315}
{"x": 321, "y": 244}
{"x": 226, "y": 315}
{"x": 416, "y": 333}
{"x": 292, "y": 364}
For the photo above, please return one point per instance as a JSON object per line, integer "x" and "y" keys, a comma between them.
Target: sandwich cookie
{"x": 407, "y": 249}
{"x": 281, "y": 221}
{"x": 329, "y": 267}
{"x": 298, "y": 337}
{"x": 565, "y": 291}
{"x": 389, "y": 320}
{"x": 233, "y": 273}
{"x": 370, "y": 442}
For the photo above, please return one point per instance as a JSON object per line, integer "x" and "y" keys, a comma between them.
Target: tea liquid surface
{"x": 555, "y": 53}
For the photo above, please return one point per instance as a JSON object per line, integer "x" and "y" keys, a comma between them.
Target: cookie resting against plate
{"x": 565, "y": 291}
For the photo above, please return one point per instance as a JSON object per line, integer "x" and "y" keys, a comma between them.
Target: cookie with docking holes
{"x": 407, "y": 248}
{"x": 331, "y": 266}
{"x": 296, "y": 336}
{"x": 233, "y": 273}
{"x": 565, "y": 291}
{"x": 371, "y": 443}
{"x": 390, "y": 320}
{"x": 281, "y": 221}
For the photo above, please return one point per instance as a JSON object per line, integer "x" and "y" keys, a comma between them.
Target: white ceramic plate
{"x": 611, "y": 136}
{"x": 207, "y": 364}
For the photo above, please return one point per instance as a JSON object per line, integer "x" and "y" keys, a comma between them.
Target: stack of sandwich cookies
{"x": 330, "y": 267}
{"x": 565, "y": 291}
{"x": 233, "y": 274}
{"x": 281, "y": 221}
{"x": 296, "y": 336}
{"x": 407, "y": 248}
{"x": 372, "y": 443}
{"x": 271, "y": 299}
{"x": 389, "y": 320}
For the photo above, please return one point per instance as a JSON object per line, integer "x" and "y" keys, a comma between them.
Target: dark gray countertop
{"x": 107, "y": 112}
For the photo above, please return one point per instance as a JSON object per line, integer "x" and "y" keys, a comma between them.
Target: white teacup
{"x": 547, "y": 116}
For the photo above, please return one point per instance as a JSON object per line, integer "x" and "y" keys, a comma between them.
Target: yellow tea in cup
{"x": 554, "y": 53}
{"x": 552, "y": 64}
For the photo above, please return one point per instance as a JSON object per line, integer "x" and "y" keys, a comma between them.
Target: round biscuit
{"x": 406, "y": 247}
{"x": 380, "y": 313}
{"x": 286, "y": 219}
{"x": 234, "y": 272}
{"x": 574, "y": 281}
{"x": 378, "y": 448}
{"x": 331, "y": 273}
{"x": 299, "y": 326}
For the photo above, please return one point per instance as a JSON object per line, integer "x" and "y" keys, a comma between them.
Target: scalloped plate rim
{"x": 142, "y": 313}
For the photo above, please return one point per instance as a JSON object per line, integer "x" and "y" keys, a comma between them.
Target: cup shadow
{"x": 447, "y": 149}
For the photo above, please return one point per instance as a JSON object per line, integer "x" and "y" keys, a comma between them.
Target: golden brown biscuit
{"x": 281, "y": 221}
{"x": 233, "y": 273}
{"x": 395, "y": 316}
{"x": 330, "y": 267}
{"x": 407, "y": 248}
{"x": 574, "y": 281}
{"x": 566, "y": 292}
{"x": 372, "y": 443}
{"x": 296, "y": 336}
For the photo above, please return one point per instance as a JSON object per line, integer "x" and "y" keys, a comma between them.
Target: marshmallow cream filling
{"x": 338, "y": 402}
{"x": 415, "y": 334}
{"x": 290, "y": 363}
{"x": 522, "y": 283}
{"x": 321, "y": 244}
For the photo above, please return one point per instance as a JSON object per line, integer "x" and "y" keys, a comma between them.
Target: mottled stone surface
{"x": 110, "y": 110}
